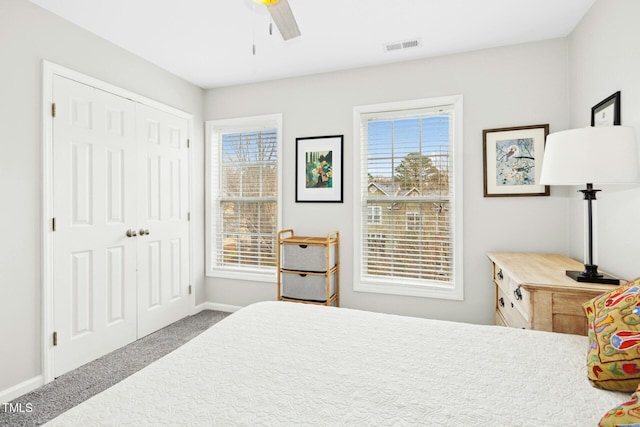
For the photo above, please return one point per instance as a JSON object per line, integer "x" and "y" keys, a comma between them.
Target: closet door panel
{"x": 163, "y": 253}
{"x": 94, "y": 262}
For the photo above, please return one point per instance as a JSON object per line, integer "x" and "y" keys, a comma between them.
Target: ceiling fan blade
{"x": 284, "y": 20}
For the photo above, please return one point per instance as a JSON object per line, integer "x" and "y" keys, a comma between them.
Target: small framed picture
{"x": 513, "y": 161}
{"x": 319, "y": 169}
{"x": 607, "y": 111}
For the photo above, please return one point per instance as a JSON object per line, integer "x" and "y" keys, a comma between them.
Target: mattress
{"x": 281, "y": 363}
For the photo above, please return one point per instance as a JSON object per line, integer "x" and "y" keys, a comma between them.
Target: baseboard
{"x": 215, "y": 306}
{"x": 20, "y": 389}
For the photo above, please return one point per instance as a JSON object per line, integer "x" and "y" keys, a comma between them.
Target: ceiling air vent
{"x": 409, "y": 43}
{"x": 406, "y": 44}
{"x": 393, "y": 46}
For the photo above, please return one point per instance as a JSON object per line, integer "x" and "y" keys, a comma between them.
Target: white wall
{"x": 29, "y": 34}
{"x": 604, "y": 58}
{"x": 511, "y": 86}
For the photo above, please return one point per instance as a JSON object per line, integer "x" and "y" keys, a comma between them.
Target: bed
{"x": 281, "y": 363}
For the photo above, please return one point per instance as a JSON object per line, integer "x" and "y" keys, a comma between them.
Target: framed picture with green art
{"x": 513, "y": 161}
{"x": 319, "y": 169}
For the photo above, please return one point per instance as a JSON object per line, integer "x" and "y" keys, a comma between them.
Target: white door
{"x": 163, "y": 231}
{"x": 121, "y": 239}
{"x": 94, "y": 262}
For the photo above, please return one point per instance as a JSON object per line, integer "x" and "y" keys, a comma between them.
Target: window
{"x": 243, "y": 197}
{"x": 408, "y": 225}
{"x": 374, "y": 214}
{"x": 413, "y": 222}
{"x": 376, "y": 242}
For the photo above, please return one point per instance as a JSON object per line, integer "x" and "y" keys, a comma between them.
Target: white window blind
{"x": 244, "y": 198}
{"x": 407, "y": 173}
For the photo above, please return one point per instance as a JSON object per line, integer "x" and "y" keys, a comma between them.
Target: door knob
{"x": 131, "y": 233}
{"x": 144, "y": 231}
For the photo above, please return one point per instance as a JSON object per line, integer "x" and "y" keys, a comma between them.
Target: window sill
{"x": 435, "y": 290}
{"x": 239, "y": 274}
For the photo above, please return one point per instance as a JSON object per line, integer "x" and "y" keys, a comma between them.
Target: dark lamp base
{"x": 581, "y": 276}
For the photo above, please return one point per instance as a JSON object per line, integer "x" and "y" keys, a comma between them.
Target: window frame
{"x": 376, "y": 216}
{"x": 412, "y": 220}
{"x": 407, "y": 286}
{"x": 213, "y": 130}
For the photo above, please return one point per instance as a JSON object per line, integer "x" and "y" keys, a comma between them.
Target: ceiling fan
{"x": 283, "y": 17}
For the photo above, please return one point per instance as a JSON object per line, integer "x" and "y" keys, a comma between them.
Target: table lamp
{"x": 592, "y": 155}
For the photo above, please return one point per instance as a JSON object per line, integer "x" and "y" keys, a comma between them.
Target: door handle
{"x": 131, "y": 233}
{"x": 144, "y": 231}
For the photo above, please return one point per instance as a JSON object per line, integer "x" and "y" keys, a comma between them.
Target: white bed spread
{"x": 277, "y": 363}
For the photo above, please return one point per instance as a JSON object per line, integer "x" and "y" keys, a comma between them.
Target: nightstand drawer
{"x": 512, "y": 290}
{"x": 510, "y": 310}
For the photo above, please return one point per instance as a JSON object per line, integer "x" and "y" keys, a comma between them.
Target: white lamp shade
{"x": 597, "y": 155}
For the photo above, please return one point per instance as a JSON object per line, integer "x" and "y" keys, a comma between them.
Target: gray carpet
{"x": 76, "y": 386}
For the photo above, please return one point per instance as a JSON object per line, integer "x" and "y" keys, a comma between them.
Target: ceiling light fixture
{"x": 282, "y": 15}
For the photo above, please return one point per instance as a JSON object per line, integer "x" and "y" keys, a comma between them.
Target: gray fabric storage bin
{"x": 307, "y": 257}
{"x": 307, "y": 287}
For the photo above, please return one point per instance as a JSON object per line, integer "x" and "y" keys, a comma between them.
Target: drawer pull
{"x": 302, "y": 275}
{"x": 501, "y": 301}
{"x": 500, "y": 275}
{"x": 303, "y": 246}
{"x": 518, "y": 293}
{"x": 512, "y": 306}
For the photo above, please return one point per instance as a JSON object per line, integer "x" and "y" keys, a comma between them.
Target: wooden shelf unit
{"x": 307, "y": 264}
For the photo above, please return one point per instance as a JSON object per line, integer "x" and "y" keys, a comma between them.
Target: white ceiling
{"x": 209, "y": 42}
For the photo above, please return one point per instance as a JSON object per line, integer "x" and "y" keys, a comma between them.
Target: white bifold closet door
{"x": 163, "y": 253}
{"x": 121, "y": 244}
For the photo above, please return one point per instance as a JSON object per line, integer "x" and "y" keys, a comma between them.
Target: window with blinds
{"x": 244, "y": 208}
{"x": 408, "y": 223}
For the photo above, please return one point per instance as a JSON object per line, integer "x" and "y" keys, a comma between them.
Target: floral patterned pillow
{"x": 625, "y": 415}
{"x": 613, "y": 359}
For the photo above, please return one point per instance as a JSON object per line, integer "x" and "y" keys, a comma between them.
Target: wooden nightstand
{"x": 533, "y": 292}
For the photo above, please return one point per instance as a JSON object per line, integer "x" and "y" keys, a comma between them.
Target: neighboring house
{"x": 420, "y": 232}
